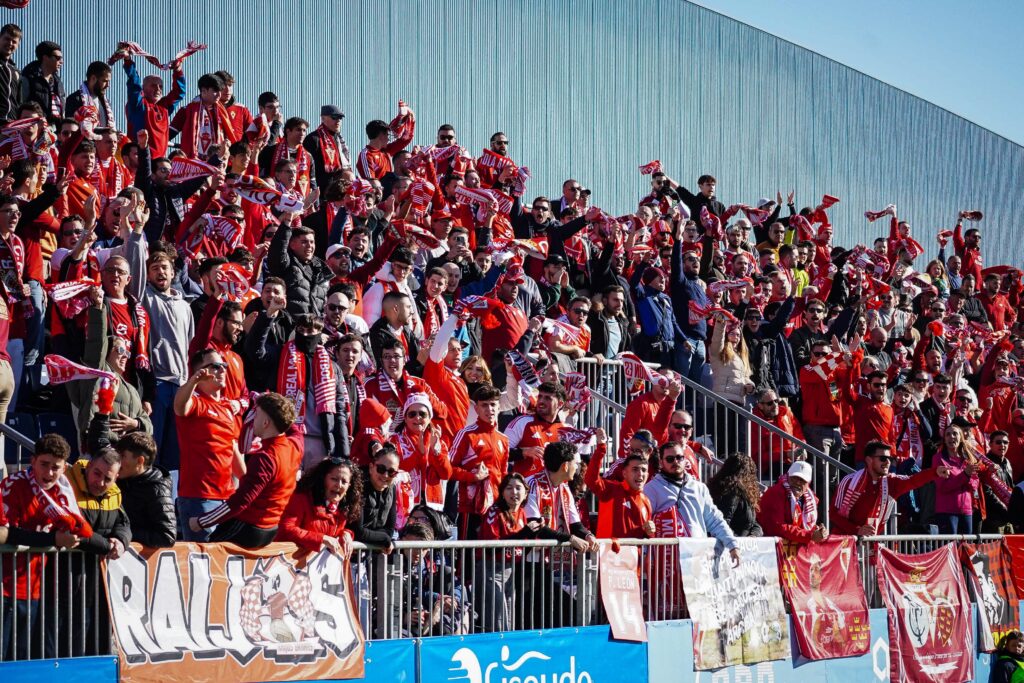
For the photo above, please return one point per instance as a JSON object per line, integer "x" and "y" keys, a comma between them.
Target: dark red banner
{"x": 930, "y": 635}
{"x": 822, "y": 584}
{"x": 988, "y": 569}
{"x": 620, "y": 591}
{"x": 1015, "y": 544}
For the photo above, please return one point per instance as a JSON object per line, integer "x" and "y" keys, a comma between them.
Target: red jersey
{"x": 120, "y": 321}
{"x": 239, "y": 119}
{"x": 647, "y": 411}
{"x": 392, "y": 395}
{"x": 270, "y": 478}
{"x": 621, "y": 511}
{"x": 206, "y": 437}
{"x": 503, "y": 324}
{"x": 478, "y": 443}
{"x": 374, "y": 164}
{"x": 451, "y": 390}
{"x": 872, "y": 422}
{"x": 306, "y": 524}
{"x": 528, "y": 431}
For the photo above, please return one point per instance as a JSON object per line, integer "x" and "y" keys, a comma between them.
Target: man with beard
{"x": 220, "y": 328}
{"x": 529, "y": 434}
{"x": 93, "y": 92}
{"x": 171, "y": 322}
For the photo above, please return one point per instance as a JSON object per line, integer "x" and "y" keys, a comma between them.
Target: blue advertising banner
{"x": 79, "y": 670}
{"x": 566, "y": 655}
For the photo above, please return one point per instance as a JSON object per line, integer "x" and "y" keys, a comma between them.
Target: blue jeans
{"x": 950, "y": 523}
{"x": 689, "y": 358}
{"x": 35, "y": 335}
{"x": 24, "y": 614}
{"x": 195, "y": 507}
{"x": 164, "y": 432}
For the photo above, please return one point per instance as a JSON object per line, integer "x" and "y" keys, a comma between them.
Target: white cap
{"x": 801, "y": 469}
{"x": 420, "y": 399}
{"x": 332, "y": 249}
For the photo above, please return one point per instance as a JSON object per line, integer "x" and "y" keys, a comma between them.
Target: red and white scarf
{"x": 303, "y": 165}
{"x": 852, "y": 487}
{"x": 651, "y": 167}
{"x": 90, "y": 100}
{"x": 329, "y": 151}
{"x": 420, "y": 488}
{"x": 61, "y": 370}
{"x": 803, "y": 512}
{"x": 183, "y": 168}
{"x": 71, "y": 296}
{"x": 436, "y": 314}
{"x": 546, "y": 501}
{"x": 58, "y": 504}
{"x": 135, "y": 49}
{"x": 12, "y": 271}
{"x": 291, "y": 380}
{"x": 824, "y": 367}
{"x": 908, "y": 435}
{"x": 873, "y": 216}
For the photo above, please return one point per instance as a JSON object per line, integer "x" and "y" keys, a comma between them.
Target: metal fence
{"x": 52, "y": 605}
{"x": 17, "y": 449}
{"x": 723, "y": 426}
{"x": 420, "y": 589}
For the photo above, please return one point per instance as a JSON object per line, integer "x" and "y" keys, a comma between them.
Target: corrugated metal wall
{"x": 587, "y": 88}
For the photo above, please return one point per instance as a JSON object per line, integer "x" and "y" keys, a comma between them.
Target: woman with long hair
{"x": 327, "y": 502}
{"x": 731, "y": 378}
{"x": 957, "y": 496}
{"x": 500, "y": 571}
{"x": 737, "y": 493}
{"x": 936, "y": 270}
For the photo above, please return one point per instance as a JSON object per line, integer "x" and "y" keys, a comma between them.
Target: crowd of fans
{"x": 272, "y": 338}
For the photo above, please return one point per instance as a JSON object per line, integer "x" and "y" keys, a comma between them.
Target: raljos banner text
{"x": 216, "y": 612}
{"x": 822, "y": 583}
{"x": 738, "y": 614}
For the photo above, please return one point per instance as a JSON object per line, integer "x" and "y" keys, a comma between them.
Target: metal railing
{"x": 906, "y": 544}
{"x": 16, "y": 448}
{"x": 52, "y": 604}
{"x": 420, "y": 589}
{"x": 725, "y": 427}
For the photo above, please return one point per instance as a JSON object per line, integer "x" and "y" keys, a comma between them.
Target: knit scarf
{"x": 908, "y": 439}
{"x": 141, "y": 340}
{"x": 291, "y": 380}
{"x": 408, "y": 449}
{"x": 436, "y": 314}
{"x": 303, "y": 164}
{"x": 204, "y": 127}
{"x": 110, "y": 175}
{"x": 71, "y": 296}
{"x": 90, "y": 100}
{"x": 329, "y": 151}
{"x": 58, "y": 504}
{"x": 546, "y": 494}
{"x": 803, "y": 512}
{"x": 852, "y": 488}
{"x": 12, "y": 266}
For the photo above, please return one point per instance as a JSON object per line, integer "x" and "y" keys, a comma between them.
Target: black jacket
{"x": 377, "y": 526}
{"x": 147, "y": 500}
{"x": 35, "y": 88}
{"x": 10, "y": 90}
{"x": 380, "y": 331}
{"x": 739, "y": 514}
{"x": 598, "y": 323}
{"x": 163, "y": 201}
{"x": 306, "y": 282}
{"x": 694, "y": 202}
{"x": 998, "y": 515}
{"x": 262, "y": 347}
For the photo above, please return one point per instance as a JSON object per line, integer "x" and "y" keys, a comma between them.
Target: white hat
{"x": 420, "y": 399}
{"x": 801, "y": 469}
{"x": 332, "y": 249}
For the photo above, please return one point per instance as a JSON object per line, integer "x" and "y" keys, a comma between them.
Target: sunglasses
{"x": 770, "y": 403}
{"x": 417, "y": 413}
{"x": 445, "y": 137}
{"x": 217, "y": 367}
{"x": 682, "y": 425}
{"x": 1000, "y": 443}
{"x": 386, "y": 471}
{"x": 670, "y": 459}
{"x": 336, "y": 308}
{"x": 885, "y": 458}
{"x": 580, "y": 311}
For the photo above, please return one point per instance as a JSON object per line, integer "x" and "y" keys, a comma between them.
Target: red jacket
{"x": 776, "y": 516}
{"x": 528, "y": 431}
{"x": 621, "y": 511}
{"x": 1000, "y": 312}
{"x": 868, "y": 502}
{"x": 305, "y": 524}
{"x": 646, "y": 411}
{"x": 873, "y": 422}
{"x": 970, "y": 257}
{"x": 768, "y": 447}
{"x": 478, "y": 443}
{"x": 269, "y": 478}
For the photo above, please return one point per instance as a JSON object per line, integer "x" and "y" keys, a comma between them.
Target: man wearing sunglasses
{"x": 697, "y": 512}
{"x": 766, "y": 446}
{"x": 208, "y": 439}
{"x": 866, "y": 498}
{"x": 872, "y": 415}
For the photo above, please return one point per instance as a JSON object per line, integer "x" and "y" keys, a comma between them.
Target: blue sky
{"x": 966, "y": 56}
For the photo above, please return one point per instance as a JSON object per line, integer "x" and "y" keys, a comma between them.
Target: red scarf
{"x": 12, "y": 266}
{"x": 423, "y": 487}
{"x": 291, "y": 380}
{"x": 908, "y": 439}
{"x": 303, "y": 164}
{"x": 329, "y": 151}
{"x": 852, "y": 488}
{"x": 58, "y": 504}
{"x": 204, "y": 127}
{"x": 804, "y": 512}
{"x": 546, "y": 502}
{"x": 437, "y": 313}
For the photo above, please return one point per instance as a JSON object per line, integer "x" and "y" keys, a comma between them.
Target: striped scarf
{"x": 803, "y": 512}
{"x": 852, "y": 487}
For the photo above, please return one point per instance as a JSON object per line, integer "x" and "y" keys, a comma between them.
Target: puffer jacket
{"x": 148, "y": 502}
{"x": 104, "y": 514}
{"x": 35, "y": 88}
{"x": 307, "y": 281}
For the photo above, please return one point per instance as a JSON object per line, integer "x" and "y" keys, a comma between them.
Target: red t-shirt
{"x": 120, "y": 322}
{"x": 206, "y": 437}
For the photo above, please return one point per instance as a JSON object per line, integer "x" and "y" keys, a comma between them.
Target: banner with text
{"x": 738, "y": 613}
{"x": 823, "y": 586}
{"x": 930, "y": 634}
{"x": 216, "y": 612}
{"x": 620, "y": 591}
{"x": 987, "y": 568}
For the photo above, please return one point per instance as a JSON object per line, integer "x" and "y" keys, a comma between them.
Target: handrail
{"x": 20, "y": 438}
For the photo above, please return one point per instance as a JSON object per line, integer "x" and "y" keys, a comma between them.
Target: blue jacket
{"x": 684, "y": 290}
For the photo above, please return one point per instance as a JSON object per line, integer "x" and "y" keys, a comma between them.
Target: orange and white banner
{"x": 216, "y": 612}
